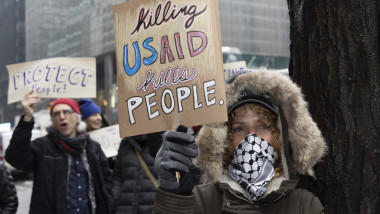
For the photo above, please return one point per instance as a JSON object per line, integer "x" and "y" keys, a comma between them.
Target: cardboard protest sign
{"x": 53, "y": 77}
{"x": 169, "y": 65}
{"x": 233, "y": 67}
{"x": 108, "y": 138}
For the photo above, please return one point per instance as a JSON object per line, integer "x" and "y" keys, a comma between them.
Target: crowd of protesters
{"x": 249, "y": 163}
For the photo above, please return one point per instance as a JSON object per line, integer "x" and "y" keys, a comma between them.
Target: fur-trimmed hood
{"x": 298, "y": 132}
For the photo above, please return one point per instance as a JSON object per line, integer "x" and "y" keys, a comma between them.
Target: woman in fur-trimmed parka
{"x": 251, "y": 162}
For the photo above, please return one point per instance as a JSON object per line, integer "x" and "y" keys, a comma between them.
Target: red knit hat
{"x": 74, "y": 105}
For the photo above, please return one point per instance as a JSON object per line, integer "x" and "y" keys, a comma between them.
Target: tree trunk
{"x": 335, "y": 59}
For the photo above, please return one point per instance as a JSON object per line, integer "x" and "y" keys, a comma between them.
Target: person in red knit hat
{"x": 71, "y": 172}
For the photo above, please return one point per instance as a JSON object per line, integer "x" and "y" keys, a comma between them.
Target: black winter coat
{"x": 8, "y": 196}
{"x": 50, "y": 167}
{"x": 133, "y": 190}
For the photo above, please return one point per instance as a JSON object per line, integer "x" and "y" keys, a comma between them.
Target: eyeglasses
{"x": 65, "y": 113}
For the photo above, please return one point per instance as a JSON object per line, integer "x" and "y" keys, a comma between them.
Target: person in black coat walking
{"x": 8, "y": 196}
{"x": 133, "y": 189}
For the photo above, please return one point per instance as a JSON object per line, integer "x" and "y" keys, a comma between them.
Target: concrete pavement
{"x": 24, "y": 192}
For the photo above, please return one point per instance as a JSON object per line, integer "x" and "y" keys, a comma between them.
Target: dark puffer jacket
{"x": 133, "y": 190}
{"x": 8, "y": 196}
{"x": 50, "y": 167}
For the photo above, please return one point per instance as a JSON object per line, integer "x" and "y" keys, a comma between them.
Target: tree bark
{"x": 336, "y": 61}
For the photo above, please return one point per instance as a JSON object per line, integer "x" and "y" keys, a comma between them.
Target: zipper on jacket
{"x": 278, "y": 198}
{"x": 244, "y": 199}
{"x": 257, "y": 206}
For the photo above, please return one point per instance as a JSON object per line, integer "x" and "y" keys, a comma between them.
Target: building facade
{"x": 12, "y": 43}
{"x": 258, "y": 31}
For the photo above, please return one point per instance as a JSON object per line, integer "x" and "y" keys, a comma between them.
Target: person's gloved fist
{"x": 175, "y": 154}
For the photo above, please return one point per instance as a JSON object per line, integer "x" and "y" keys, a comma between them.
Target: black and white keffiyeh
{"x": 252, "y": 165}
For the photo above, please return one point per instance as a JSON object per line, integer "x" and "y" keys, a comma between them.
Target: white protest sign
{"x": 53, "y": 77}
{"x": 169, "y": 65}
{"x": 233, "y": 67}
{"x": 108, "y": 138}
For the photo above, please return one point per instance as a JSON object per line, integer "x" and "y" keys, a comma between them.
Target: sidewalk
{"x": 24, "y": 192}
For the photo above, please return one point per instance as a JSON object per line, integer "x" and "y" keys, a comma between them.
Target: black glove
{"x": 175, "y": 154}
{"x": 154, "y": 141}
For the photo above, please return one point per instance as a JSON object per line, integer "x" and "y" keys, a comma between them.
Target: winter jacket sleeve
{"x": 20, "y": 153}
{"x": 8, "y": 196}
{"x": 167, "y": 202}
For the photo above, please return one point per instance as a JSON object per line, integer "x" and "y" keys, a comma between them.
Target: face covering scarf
{"x": 252, "y": 165}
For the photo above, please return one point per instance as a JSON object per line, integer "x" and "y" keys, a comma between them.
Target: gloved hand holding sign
{"x": 175, "y": 154}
